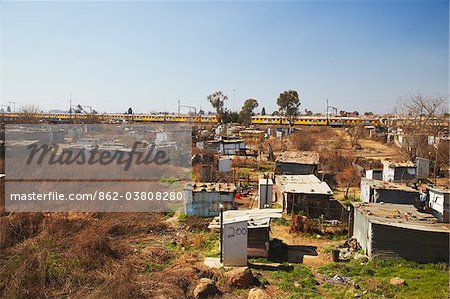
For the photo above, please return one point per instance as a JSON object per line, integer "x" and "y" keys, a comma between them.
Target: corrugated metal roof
{"x": 257, "y": 218}
{"x": 310, "y": 188}
{"x": 399, "y": 164}
{"x": 377, "y": 184}
{"x": 400, "y": 215}
{"x": 299, "y": 179}
{"x": 251, "y": 132}
{"x": 305, "y": 184}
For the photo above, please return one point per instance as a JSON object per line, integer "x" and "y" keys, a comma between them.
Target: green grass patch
{"x": 183, "y": 217}
{"x": 54, "y": 265}
{"x": 280, "y": 221}
{"x": 261, "y": 260}
{"x": 422, "y": 280}
{"x": 210, "y": 244}
{"x": 297, "y": 283}
{"x": 152, "y": 267}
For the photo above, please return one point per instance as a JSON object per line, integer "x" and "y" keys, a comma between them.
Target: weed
{"x": 280, "y": 221}
{"x": 152, "y": 267}
{"x": 183, "y": 217}
{"x": 53, "y": 265}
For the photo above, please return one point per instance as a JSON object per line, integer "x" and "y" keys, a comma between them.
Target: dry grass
{"x": 310, "y": 138}
{"x": 93, "y": 255}
{"x": 19, "y": 227}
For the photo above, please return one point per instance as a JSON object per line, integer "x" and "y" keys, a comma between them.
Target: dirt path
{"x": 379, "y": 151}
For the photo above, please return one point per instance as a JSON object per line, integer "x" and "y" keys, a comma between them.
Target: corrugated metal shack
{"x": 400, "y": 231}
{"x": 231, "y": 146}
{"x": 226, "y": 146}
{"x": 300, "y": 163}
{"x": 387, "y": 192}
{"x": 203, "y": 199}
{"x": 439, "y": 203}
{"x": 422, "y": 168}
{"x": 258, "y": 228}
{"x": 399, "y": 171}
{"x": 308, "y": 195}
{"x": 252, "y": 135}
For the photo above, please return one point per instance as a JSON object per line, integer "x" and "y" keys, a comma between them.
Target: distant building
{"x": 400, "y": 231}
{"x": 299, "y": 163}
{"x": 226, "y": 147}
{"x": 252, "y": 135}
{"x": 308, "y": 195}
{"x": 439, "y": 203}
{"x": 398, "y": 171}
{"x": 387, "y": 192}
{"x": 231, "y": 146}
{"x": 204, "y": 199}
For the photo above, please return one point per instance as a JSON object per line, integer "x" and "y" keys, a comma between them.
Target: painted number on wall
{"x": 236, "y": 232}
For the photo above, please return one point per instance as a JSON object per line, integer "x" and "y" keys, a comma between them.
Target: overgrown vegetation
{"x": 96, "y": 255}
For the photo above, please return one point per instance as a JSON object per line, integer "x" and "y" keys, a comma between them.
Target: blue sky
{"x": 147, "y": 55}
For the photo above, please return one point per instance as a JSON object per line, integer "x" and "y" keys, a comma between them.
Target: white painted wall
{"x": 235, "y": 237}
{"x": 388, "y": 172}
{"x": 365, "y": 190}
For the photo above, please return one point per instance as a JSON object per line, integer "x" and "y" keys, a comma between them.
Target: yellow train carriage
{"x": 208, "y": 119}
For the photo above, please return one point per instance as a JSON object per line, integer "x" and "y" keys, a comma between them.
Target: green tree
{"x": 217, "y": 100}
{"x": 230, "y": 117}
{"x": 289, "y": 104}
{"x": 234, "y": 117}
{"x": 263, "y": 111}
{"x": 247, "y": 111}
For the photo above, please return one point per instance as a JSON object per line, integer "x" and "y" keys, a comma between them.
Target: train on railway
{"x": 174, "y": 118}
{"x": 334, "y": 121}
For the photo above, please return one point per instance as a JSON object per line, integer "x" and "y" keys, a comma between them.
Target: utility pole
{"x": 70, "y": 107}
{"x": 436, "y": 146}
{"x": 221, "y": 232}
{"x": 234, "y": 95}
{"x": 178, "y": 107}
